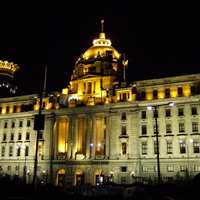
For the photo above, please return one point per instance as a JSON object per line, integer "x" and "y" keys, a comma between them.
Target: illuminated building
{"x": 99, "y": 129}
{"x": 7, "y": 85}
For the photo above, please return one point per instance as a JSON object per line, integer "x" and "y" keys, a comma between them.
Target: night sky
{"x": 158, "y": 40}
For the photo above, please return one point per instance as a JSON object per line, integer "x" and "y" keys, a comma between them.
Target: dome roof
{"x": 101, "y": 47}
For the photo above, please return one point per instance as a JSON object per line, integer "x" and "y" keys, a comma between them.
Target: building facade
{"x": 99, "y": 129}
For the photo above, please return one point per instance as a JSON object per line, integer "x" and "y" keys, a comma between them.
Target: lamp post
{"x": 155, "y": 110}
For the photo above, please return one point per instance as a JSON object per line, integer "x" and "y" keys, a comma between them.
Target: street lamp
{"x": 155, "y": 110}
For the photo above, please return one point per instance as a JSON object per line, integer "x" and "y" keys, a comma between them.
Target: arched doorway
{"x": 80, "y": 178}
{"x": 99, "y": 177}
{"x": 60, "y": 179}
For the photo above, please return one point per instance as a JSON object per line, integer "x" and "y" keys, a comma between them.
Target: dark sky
{"x": 159, "y": 40}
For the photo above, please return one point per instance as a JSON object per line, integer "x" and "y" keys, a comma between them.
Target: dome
{"x": 101, "y": 47}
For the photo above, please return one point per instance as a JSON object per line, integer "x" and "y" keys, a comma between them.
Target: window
{"x": 28, "y": 123}
{"x": 155, "y": 114}
{"x": 124, "y": 148}
{"x": 180, "y": 112}
{"x": 143, "y": 95}
{"x": 168, "y": 113}
{"x": 3, "y": 149}
{"x": 18, "y": 151}
{"x": 89, "y": 88}
{"x": 180, "y": 91}
{"x": 26, "y": 150}
{"x": 123, "y": 116}
{"x": 27, "y": 136}
{"x": 168, "y": 128}
{"x": 196, "y": 148}
{"x": 19, "y": 136}
{"x": 123, "y": 131}
{"x": 40, "y": 136}
{"x": 194, "y": 110}
{"x": 196, "y": 168}
{"x": 143, "y": 114}
{"x": 144, "y": 129}
{"x": 182, "y": 147}
{"x": 4, "y": 137}
{"x": 20, "y": 124}
{"x": 155, "y": 94}
{"x": 181, "y": 127}
{"x": 169, "y": 147}
{"x": 13, "y": 125}
{"x": 144, "y": 148}
{"x": 11, "y": 151}
{"x": 170, "y": 168}
{"x": 155, "y": 147}
{"x": 6, "y": 125}
{"x": 194, "y": 126}
{"x": 123, "y": 169}
{"x": 182, "y": 168}
{"x": 12, "y": 136}
{"x": 167, "y": 93}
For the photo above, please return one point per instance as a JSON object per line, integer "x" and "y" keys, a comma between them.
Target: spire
{"x": 102, "y": 34}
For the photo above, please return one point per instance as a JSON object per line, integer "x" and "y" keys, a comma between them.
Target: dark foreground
{"x": 181, "y": 190}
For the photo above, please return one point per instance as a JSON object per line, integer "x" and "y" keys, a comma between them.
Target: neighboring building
{"x": 7, "y": 83}
{"x": 99, "y": 129}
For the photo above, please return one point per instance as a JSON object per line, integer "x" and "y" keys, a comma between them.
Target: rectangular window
{"x": 124, "y": 148}
{"x": 169, "y": 147}
{"x": 123, "y": 169}
{"x": 123, "y": 131}
{"x": 167, "y": 93}
{"x": 4, "y": 137}
{"x": 194, "y": 126}
{"x": 27, "y": 136}
{"x": 170, "y": 168}
{"x": 26, "y": 150}
{"x": 3, "y": 149}
{"x": 182, "y": 147}
{"x": 144, "y": 129}
{"x": 143, "y": 114}
{"x": 18, "y": 151}
{"x": 13, "y": 125}
{"x": 20, "y": 124}
{"x": 19, "y": 136}
{"x": 181, "y": 127}
{"x": 28, "y": 123}
{"x": 123, "y": 116}
{"x": 168, "y": 113}
{"x": 196, "y": 148}
{"x": 180, "y": 112}
{"x": 168, "y": 128}
{"x": 12, "y": 136}
{"x": 194, "y": 110}
{"x": 182, "y": 168}
{"x": 40, "y": 137}
{"x": 155, "y": 94}
{"x": 11, "y": 151}
{"x": 144, "y": 148}
{"x": 89, "y": 88}
{"x": 6, "y": 125}
{"x": 180, "y": 91}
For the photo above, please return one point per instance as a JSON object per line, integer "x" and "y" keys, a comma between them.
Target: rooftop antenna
{"x": 102, "y": 25}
